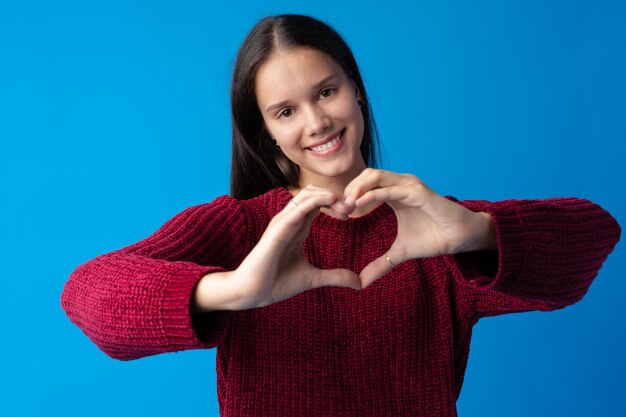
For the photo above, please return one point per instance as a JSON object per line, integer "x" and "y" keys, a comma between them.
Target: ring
{"x": 389, "y": 260}
{"x": 293, "y": 203}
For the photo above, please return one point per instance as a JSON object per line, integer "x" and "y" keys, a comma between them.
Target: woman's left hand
{"x": 428, "y": 224}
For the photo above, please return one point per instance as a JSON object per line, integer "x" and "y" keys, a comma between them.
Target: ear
{"x": 357, "y": 92}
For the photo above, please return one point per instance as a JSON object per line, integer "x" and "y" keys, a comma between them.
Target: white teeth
{"x": 327, "y": 145}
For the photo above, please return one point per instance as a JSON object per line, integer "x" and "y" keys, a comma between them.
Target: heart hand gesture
{"x": 276, "y": 268}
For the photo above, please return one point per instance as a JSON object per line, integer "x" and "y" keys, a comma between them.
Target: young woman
{"x": 331, "y": 288}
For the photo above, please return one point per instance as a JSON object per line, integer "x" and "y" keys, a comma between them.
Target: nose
{"x": 317, "y": 120}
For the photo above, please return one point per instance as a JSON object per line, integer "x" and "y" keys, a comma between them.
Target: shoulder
{"x": 222, "y": 208}
{"x": 229, "y": 211}
{"x": 261, "y": 209}
{"x": 270, "y": 202}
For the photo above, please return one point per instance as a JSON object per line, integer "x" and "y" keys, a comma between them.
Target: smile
{"x": 328, "y": 145}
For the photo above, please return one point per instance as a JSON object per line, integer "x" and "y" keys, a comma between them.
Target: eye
{"x": 286, "y": 113}
{"x": 327, "y": 92}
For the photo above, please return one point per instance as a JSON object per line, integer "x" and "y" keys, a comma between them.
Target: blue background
{"x": 114, "y": 117}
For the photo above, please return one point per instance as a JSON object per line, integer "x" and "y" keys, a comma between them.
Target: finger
{"x": 308, "y": 220}
{"x": 339, "y": 207}
{"x": 388, "y": 194}
{"x": 312, "y": 190}
{"x": 292, "y": 222}
{"x": 370, "y": 179}
{"x": 335, "y": 277}
{"x": 375, "y": 270}
{"x": 306, "y": 202}
{"x": 306, "y": 193}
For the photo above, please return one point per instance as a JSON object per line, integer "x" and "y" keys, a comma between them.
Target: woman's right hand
{"x": 276, "y": 268}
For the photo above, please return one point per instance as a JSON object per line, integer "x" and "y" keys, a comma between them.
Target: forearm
{"x": 480, "y": 234}
{"x": 212, "y": 293}
{"x": 485, "y": 232}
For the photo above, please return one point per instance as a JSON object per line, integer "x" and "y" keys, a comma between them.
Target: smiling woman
{"x": 330, "y": 287}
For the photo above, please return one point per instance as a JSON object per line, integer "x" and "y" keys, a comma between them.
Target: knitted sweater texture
{"x": 398, "y": 347}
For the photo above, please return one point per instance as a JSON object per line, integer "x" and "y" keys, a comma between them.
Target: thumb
{"x": 335, "y": 277}
{"x": 374, "y": 270}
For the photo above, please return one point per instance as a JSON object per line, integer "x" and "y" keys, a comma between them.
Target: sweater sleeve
{"x": 549, "y": 252}
{"x": 135, "y": 302}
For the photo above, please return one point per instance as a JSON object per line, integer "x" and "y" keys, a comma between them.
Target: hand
{"x": 276, "y": 268}
{"x": 428, "y": 224}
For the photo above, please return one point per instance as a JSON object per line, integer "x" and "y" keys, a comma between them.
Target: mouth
{"x": 330, "y": 144}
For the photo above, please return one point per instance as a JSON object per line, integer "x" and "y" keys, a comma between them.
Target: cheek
{"x": 287, "y": 135}
{"x": 347, "y": 109}
{"x": 353, "y": 114}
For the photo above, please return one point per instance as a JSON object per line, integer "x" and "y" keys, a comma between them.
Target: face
{"x": 311, "y": 108}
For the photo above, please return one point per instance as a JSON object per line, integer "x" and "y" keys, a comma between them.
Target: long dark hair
{"x": 257, "y": 164}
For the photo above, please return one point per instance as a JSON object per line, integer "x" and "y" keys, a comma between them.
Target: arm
{"x": 548, "y": 253}
{"x": 138, "y": 301}
{"x": 135, "y": 302}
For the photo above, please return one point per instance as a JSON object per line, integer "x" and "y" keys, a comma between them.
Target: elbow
{"x": 593, "y": 229}
{"x": 102, "y": 334}
{"x": 91, "y": 312}
{"x": 616, "y": 231}
{"x": 608, "y": 233}
{"x": 83, "y": 315}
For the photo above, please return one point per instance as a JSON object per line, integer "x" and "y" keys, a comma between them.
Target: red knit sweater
{"x": 398, "y": 347}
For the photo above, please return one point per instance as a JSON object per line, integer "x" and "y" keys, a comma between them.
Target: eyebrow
{"x": 315, "y": 86}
